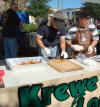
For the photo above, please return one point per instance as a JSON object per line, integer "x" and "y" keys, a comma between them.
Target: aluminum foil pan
{"x": 13, "y": 63}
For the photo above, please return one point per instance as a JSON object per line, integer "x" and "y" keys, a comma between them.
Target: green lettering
{"x": 35, "y": 101}
{"x": 61, "y": 93}
{"x": 91, "y": 84}
{"x": 23, "y": 95}
{"x": 93, "y": 102}
{"x": 46, "y": 95}
{"x": 78, "y": 101}
{"x": 77, "y": 88}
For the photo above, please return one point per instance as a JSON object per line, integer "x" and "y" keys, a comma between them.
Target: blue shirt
{"x": 50, "y": 35}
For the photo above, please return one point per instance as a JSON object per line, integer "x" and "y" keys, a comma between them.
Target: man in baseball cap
{"x": 59, "y": 19}
{"x": 50, "y": 35}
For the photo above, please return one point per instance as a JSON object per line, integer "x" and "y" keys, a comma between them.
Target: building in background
{"x": 53, "y": 10}
{"x": 70, "y": 13}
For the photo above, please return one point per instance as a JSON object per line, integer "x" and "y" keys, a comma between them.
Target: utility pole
{"x": 58, "y": 4}
{"x": 62, "y": 5}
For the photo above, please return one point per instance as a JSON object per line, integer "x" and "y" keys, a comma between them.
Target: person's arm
{"x": 94, "y": 43}
{"x": 68, "y": 42}
{"x": 40, "y": 35}
{"x": 94, "y": 33}
{"x": 91, "y": 46}
{"x": 95, "y": 37}
{"x": 68, "y": 38}
{"x": 39, "y": 41}
{"x": 62, "y": 43}
{"x": 63, "y": 47}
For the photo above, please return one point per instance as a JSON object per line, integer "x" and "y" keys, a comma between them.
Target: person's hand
{"x": 47, "y": 51}
{"x": 77, "y": 47}
{"x": 90, "y": 49}
{"x": 64, "y": 54}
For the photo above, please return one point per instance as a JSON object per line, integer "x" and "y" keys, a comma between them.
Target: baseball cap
{"x": 59, "y": 15}
{"x": 59, "y": 18}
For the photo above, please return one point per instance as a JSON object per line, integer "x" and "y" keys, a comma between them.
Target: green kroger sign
{"x": 28, "y": 96}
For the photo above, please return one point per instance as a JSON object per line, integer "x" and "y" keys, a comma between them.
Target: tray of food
{"x": 13, "y": 63}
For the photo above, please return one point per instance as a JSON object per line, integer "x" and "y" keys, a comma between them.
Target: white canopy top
{"x": 92, "y": 1}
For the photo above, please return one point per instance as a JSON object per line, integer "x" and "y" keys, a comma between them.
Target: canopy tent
{"x": 92, "y": 1}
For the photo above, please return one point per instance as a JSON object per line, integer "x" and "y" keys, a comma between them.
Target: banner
{"x": 75, "y": 91}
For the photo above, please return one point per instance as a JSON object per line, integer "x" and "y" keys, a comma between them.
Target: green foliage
{"x": 8, "y": 2}
{"x": 93, "y": 8}
{"x": 30, "y": 27}
{"x": 39, "y": 8}
{"x": 99, "y": 32}
{"x": 1, "y": 27}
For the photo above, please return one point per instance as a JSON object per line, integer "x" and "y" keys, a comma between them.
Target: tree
{"x": 2, "y": 6}
{"x": 38, "y": 8}
{"x": 93, "y": 8}
{"x": 21, "y": 3}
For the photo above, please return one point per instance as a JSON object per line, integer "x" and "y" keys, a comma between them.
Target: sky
{"x": 66, "y": 3}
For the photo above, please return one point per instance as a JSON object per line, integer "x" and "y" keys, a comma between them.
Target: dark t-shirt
{"x": 12, "y": 20}
{"x": 50, "y": 35}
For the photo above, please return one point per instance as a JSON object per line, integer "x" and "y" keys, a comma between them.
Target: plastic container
{"x": 1, "y": 75}
{"x": 85, "y": 60}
